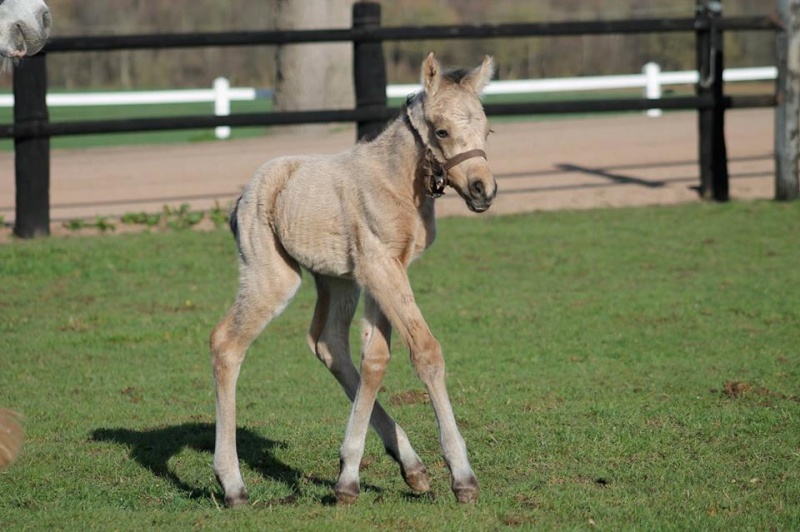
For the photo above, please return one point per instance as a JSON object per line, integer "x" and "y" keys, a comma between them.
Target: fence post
{"x": 31, "y": 153}
{"x": 369, "y": 69}
{"x": 222, "y": 105}
{"x": 711, "y": 121}
{"x": 787, "y": 128}
{"x": 652, "y": 85}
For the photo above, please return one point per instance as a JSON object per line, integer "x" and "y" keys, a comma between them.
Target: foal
{"x": 356, "y": 220}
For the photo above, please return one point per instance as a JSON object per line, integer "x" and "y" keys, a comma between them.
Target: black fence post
{"x": 32, "y": 154}
{"x": 787, "y": 119}
{"x": 711, "y": 121}
{"x": 369, "y": 69}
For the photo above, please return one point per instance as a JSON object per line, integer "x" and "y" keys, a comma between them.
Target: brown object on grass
{"x": 11, "y": 436}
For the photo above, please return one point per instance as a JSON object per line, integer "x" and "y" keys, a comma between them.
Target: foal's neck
{"x": 403, "y": 154}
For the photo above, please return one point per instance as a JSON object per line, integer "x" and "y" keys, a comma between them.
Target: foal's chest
{"x": 421, "y": 239}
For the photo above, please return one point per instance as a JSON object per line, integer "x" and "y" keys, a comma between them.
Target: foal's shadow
{"x": 154, "y": 448}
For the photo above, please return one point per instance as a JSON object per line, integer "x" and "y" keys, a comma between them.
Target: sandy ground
{"x": 603, "y": 161}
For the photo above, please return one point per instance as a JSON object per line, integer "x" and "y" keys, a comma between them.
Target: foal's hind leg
{"x": 268, "y": 280}
{"x": 328, "y": 337}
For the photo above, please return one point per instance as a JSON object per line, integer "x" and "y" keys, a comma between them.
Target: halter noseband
{"x": 436, "y": 171}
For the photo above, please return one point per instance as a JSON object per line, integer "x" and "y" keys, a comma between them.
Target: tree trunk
{"x": 314, "y": 76}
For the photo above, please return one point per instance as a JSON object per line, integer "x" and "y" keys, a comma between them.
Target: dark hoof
{"x": 417, "y": 480}
{"x": 236, "y": 500}
{"x": 467, "y": 492}
{"x": 346, "y": 494}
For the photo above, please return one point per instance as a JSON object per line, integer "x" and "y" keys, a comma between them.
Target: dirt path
{"x": 604, "y": 161}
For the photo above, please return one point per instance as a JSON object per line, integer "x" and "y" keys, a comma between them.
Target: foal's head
{"x": 455, "y": 128}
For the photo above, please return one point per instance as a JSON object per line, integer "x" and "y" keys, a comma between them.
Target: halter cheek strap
{"x": 461, "y": 157}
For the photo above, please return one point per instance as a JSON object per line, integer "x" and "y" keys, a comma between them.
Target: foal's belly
{"x": 327, "y": 257}
{"x": 316, "y": 239}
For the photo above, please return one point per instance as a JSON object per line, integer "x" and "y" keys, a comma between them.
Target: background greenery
{"x": 630, "y": 368}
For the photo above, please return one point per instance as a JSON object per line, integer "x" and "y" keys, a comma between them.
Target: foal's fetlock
{"x": 237, "y": 499}
{"x": 347, "y": 486}
{"x": 233, "y": 497}
{"x": 466, "y": 491}
{"x": 346, "y": 492}
{"x": 416, "y": 477}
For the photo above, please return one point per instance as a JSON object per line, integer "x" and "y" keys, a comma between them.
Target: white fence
{"x": 651, "y": 80}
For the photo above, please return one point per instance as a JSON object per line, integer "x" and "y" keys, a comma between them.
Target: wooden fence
{"x": 32, "y": 128}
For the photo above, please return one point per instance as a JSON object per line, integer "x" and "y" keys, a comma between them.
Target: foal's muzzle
{"x": 482, "y": 191}
{"x": 481, "y": 186}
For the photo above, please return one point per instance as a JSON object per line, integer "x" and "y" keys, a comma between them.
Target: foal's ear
{"x": 479, "y": 78}
{"x": 431, "y": 74}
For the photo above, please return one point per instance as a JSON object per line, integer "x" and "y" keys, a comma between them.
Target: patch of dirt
{"x": 516, "y": 520}
{"x": 599, "y": 161}
{"x": 132, "y": 393}
{"x": 739, "y": 389}
{"x": 527, "y": 500}
{"x": 366, "y": 461}
{"x": 734, "y": 389}
{"x": 410, "y": 397}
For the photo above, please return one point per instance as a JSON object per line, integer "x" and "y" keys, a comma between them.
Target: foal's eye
{"x": 442, "y": 133}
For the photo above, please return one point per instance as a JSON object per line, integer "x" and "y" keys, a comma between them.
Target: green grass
{"x": 631, "y": 369}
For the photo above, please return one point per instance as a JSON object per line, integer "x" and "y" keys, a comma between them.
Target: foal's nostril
{"x": 476, "y": 188}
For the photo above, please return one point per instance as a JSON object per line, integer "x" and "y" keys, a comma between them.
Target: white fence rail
{"x": 651, "y": 80}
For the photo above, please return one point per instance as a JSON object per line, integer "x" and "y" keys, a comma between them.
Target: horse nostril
{"x": 476, "y": 188}
{"x": 19, "y": 38}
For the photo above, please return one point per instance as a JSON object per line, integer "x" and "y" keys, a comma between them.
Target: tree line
{"x": 518, "y": 58}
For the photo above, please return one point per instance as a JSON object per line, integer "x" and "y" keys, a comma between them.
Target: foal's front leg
{"x": 328, "y": 338}
{"x": 387, "y": 282}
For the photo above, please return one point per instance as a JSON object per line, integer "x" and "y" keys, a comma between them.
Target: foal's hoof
{"x": 236, "y": 499}
{"x": 467, "y": 492}
{"x": 346, "y": 493}
{"x": 417, "y": 479}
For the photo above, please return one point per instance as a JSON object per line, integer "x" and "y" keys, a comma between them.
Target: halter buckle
{"x": 437, "y": 184}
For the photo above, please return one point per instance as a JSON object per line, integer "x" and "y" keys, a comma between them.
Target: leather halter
{"x": 461, "y": 157}
{"x": 436, "y": 171}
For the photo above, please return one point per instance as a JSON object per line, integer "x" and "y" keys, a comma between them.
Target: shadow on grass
{"x": 154, "y": 448}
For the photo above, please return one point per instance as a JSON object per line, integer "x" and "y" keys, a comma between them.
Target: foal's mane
{"x": 456, "y": 75}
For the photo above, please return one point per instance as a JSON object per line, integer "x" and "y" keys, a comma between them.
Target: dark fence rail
{"x": 32, "y": 129}
{"x": 402, "y": 33}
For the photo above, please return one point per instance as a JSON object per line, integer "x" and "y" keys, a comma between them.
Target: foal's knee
{"x": 223, "y": 344}
{"x": 374, "y": 362}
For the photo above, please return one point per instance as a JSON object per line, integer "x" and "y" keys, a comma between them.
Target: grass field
{"x": 617, "y": 369}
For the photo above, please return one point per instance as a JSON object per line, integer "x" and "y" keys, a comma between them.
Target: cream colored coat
{"x": 355, "y": 221}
